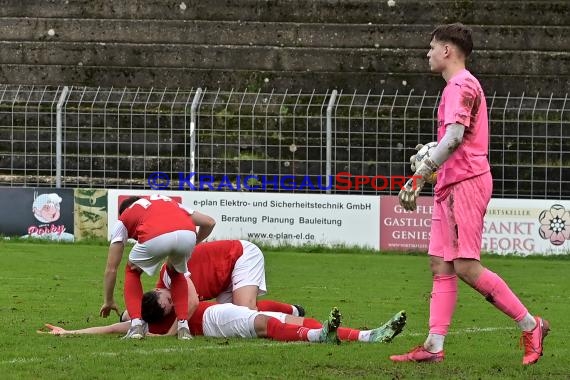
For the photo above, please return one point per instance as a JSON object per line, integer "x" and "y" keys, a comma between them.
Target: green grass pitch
{"x": 62, "y": 284}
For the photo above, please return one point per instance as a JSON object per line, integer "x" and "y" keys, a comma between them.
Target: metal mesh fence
{"x": 117, "y": 138}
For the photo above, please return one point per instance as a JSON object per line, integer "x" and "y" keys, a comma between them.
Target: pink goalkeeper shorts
{"x": 457, "y": 220}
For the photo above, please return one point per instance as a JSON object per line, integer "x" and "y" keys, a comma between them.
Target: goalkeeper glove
{"x": 410, "y": 192}
{"x": 432, "y": 178}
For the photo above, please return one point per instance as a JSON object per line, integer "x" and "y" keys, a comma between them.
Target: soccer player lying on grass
{"x": 227, "y": 270}
{"x": 230, "y": 271}
{"x": 163, "y": 298}
{"x": 229, "y": 321}
{"x": 232, "y": 321}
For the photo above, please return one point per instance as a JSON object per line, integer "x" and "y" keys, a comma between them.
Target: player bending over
{"x": 163, "y": 229}
{"x": 229, "y": 271}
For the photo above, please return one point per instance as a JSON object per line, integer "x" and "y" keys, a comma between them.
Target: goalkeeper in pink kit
{"x": 462, "y": 193}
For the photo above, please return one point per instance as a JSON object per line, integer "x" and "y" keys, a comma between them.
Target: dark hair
{"x": 457, "y": 33}
{"x": 151, "y": 310}
{"x": 127, "y": 203}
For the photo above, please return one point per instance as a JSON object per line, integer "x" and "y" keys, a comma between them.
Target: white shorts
{"x": 275, "y": 314}
{"x": 228, "y": 321}
{"x": 249, "y": 270}
{"x": 177, "y": 246}
{"x": 231, "y": 321}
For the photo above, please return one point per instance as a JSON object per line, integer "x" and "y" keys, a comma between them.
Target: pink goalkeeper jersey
{"x": 463, "y": 102}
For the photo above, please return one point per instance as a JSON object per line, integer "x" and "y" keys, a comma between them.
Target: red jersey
{"x": 146, "y": 219}
{"x": 211, "y": 266}
{"x": 195, "y": 323}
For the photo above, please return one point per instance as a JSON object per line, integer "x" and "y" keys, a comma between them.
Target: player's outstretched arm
{"x": 116, "y": 328}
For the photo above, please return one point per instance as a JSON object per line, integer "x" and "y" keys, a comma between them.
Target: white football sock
{"x": 183, "y": 324}
{"x": 434, "y": 342}
{"x": 295, "y": 311}
{"x": 313, "y": 335}
{"x": 364, "y": 336}
{"x": 528, "y": 323}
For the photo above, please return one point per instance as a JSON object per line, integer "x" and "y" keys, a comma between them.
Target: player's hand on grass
{"x": 107, "y": 307}
{"x": 410, "y": 192}
{"x": 54, "y": 330}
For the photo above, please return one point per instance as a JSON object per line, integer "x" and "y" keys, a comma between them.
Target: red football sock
{"x": 285, "y": 332}
{"x": 133, "y": 292}
{"x": 179, "y": 290}
{"x": 312, "y": 323}
{"x": 346, "y": 333}
{"x": 268, "y": 305}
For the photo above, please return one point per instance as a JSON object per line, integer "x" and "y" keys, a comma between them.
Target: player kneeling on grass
{"x": 229, "y": 271}
{"x": 232, "y": 321}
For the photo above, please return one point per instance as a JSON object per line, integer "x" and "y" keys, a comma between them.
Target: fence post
{"x": 332, "y": 101}
{"x": 59, "y": 136}
{"x": 193, "y": 108}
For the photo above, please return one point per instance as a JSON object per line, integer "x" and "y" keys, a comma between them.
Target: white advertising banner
{"x": 275, "y": 218}
{"x": 526, "y": 226}
{"x": 518, "y": 226}
{"x": 512, "y": 226}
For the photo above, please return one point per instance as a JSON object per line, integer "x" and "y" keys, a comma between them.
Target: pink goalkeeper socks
{"x": 442, "y": 303}
{"x": 496, "y": 291}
